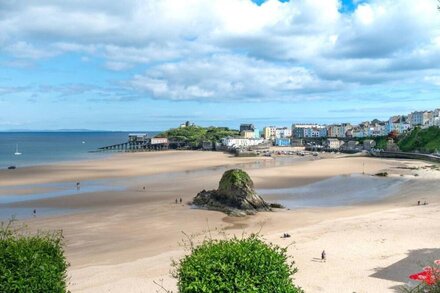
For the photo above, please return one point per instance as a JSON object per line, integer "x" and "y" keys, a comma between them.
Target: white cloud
{"x": 433, "y": 79}
{"x": 220, "y": 49}
{"x": 28, "y": 51}
{"x": 229, "y": 77}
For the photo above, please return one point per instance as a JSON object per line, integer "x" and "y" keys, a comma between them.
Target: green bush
{"x": 195, "y": 135}
{"x": 31, "y": 263}
{"x": 236, "y": 265}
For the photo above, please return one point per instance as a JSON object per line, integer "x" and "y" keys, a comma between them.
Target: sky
{"x": 151, "y": 65}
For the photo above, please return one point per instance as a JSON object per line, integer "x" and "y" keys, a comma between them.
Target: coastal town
{"x": 343, "y": 136}
{"x": 249, "y": 140}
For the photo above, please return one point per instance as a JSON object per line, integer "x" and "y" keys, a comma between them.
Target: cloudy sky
{"x": 149, "y": 64}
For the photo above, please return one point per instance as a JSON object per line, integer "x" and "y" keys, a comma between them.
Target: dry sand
{"x": 124, "y": 241}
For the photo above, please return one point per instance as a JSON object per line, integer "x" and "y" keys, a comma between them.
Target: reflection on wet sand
{"x": 336, "y": 191}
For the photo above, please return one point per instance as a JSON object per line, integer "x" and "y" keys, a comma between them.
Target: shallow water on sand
{"x": 18, "y": 200}
{"x": 52, "y": 190}
{"x": 11, "y": 195}
{"x": 336, "y": 191}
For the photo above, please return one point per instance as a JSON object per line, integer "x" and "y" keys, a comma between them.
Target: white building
{"x": 273, "y": 132}
{"x": 435, "y": 118}
{"x": 269, "y": 132}
{"x": 333, "y": 143}
{"x": 159, "y": 140}
{"x": 378, "y": 129}
{"x": 248, "y": 134}
{"x": 240, "y": 142}
{"x": 283, "y": 132}
{"x": 420, "y": 118}
{"x": 359, "y": 132}
{"x": 186, "y": 124}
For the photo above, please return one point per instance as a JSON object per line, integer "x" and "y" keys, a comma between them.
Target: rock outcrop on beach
{"x": 235, "y": 195}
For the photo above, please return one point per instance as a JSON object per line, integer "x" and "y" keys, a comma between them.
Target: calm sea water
{"x": 48, "y": 147}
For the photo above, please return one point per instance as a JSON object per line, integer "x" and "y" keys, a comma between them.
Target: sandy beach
{"x": 123, "y": 238}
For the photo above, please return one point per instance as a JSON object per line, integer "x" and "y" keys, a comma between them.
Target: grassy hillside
{"x": 195, "y": 135}
{"x": 422, "y": 140}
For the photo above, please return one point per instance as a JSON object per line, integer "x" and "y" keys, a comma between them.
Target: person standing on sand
{"x": 180, "y": 200}
{"x": 78, "y": 185}
{"x": 176, "y": 200}
{"x": 323, "y": 256}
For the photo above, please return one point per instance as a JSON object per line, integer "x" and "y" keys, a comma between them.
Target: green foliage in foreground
{"x": 423, "y": 288}
{"x": 31, "y": 263}
{"x": 236, "y": 265}
{"x": 195, "y": 135}
{"x": 422, "y": 140}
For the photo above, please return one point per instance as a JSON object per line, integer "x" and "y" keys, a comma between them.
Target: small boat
{"x": 12, "y": 168}
{"x": 17, "y": 153}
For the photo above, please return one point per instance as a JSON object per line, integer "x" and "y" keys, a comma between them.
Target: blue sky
{"x": 149, "y": 65}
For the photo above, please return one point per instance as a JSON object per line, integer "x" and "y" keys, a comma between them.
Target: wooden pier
{"x": 138, "y": 143}
{"x": 134, "y": 147}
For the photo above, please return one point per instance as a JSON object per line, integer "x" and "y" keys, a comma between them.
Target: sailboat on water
{"x": 17, "y": 153}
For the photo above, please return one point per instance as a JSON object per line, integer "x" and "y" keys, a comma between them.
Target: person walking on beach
{"x": 176, "y": 200}
{"x": 35, "y": 212}
{"x": 78, "y": 185}
{"x": 323, "y": 256}
{"x": 180, "y": 200}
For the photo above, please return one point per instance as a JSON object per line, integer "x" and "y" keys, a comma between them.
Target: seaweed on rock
{"x": 235, "y": 195}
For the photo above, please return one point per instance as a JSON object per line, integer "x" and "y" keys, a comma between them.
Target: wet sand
{"x": 124, "y": 240}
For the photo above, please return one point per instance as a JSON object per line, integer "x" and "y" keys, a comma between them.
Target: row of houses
{"x": 250, "y": 136}
{"x": 287, "y": 136}
{"x": 399, "y": 124}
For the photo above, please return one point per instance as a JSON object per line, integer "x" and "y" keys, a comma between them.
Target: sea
{"x": 39, "y": 148}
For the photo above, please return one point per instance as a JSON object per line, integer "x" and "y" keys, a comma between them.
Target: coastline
{"x": 107, "y": 256}
{"x": 118, "y": 165}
